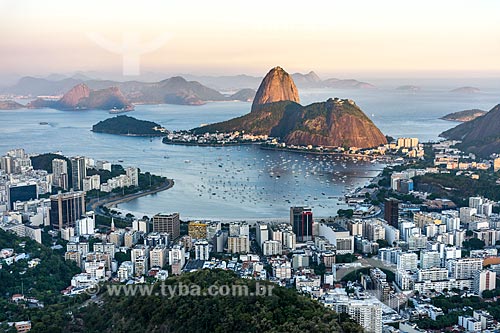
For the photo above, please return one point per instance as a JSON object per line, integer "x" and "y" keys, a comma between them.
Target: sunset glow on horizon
{"x": 228, "y": 37}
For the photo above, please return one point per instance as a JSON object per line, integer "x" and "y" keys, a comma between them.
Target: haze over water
{"x": 237, "y": 182}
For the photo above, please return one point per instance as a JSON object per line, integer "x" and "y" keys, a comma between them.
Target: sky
{"x": 382, "y": 37}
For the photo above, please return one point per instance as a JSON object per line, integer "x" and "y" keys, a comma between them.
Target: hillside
{"x": 125, "y": 125}
{"x": 480, "y": 136}
{"x": 44, "y": 162}
{"x": 10, "y": 105}
{"x": 464, "y": 116}
{"x": 244, "y": 95}
{"x": 283, "y": 311}
{"x": 81, "y": 97}
{"x": 276, "y": 112}
{"x": 336, "y": 122}
{"x": 174, "y": 90}
{"x": 309, "y": 80}
{"x": 347, "y": 84}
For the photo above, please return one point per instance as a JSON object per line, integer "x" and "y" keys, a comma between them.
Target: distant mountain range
{"x": 480, "y": 136}
{"x": 309, "y": 80}
{"x": 81, "y": 97}
{"x": 10, "y": 105}
{"x": 276, "y": 112}
{"x": 466, "y": 90}
{"x": 175, "y": 90}
{"x": 312, "y": 80}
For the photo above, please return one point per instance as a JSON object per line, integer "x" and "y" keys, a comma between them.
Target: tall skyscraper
{"x": 7, "y": 164}
{"x": 66, "y": 209}
{"x": 79, "y": 172}
{"x": 60, "y": 171}
{"x": 391, "y": 211}
{"x": 21, "y": 192}
{"x": 169, "y": 223}
{"x": 301, "y": 219}
{"x": 484, "y": 280}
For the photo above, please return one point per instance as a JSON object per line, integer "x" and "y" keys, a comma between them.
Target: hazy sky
{"x": 215, "y": 37}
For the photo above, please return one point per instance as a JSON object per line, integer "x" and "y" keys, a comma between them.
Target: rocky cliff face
{"x": 333, "y": 123}
{"x": 71, "y": 99}
{"x": 276, "y": 86}
{"x": 480, "y": 136}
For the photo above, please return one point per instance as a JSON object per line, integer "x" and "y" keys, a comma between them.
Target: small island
{"x": 464, "y": 116}
{"x": 130, "y": 126}
{"x": 410, "y": 88}
{"x": 466, "y": 90}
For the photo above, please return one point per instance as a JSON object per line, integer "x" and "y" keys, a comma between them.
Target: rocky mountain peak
{"x": 72, "y": 97}
{"x": 276, "y": 86}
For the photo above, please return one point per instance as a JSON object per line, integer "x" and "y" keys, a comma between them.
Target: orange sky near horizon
{"x": 228, "y": 37}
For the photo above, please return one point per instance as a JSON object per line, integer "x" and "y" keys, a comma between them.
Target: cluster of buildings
{"x": 451, "y": 158}
{"x": 230, "y": 138}
{"x": 406, "y": 147}
{"x": 25, "y": 205}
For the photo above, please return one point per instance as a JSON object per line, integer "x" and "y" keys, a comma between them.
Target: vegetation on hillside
{"x": 283, "y": 311}
{"x": 459, "y": 188}
{"x": 125, "y": 125}
{"x": 44, "y": 162}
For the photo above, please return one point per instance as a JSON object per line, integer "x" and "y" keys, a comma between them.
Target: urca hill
{"x": 276, "y": 112}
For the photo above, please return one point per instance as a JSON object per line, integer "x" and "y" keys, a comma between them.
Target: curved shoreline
{"x": 115, "y": 200}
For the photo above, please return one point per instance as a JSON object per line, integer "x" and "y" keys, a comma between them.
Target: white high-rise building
{"x": 407, "y": 261}
{"x": 91, "y": 183}
{"x": 366, "y": 312}
{"x": 475, "y": 202}
{"x": 271, "y": 248}
{"x": 238, "y": 244}
{"x": 126, "y": 271}
{"x": 60, "y": 172}
{"x": 451, "y": 219}
{"x": 202, "y": 250}
{"x": 158, "y": 256}
{"x": 289, "y": 240}
{"x": 133, "y": 175}
{"x": 466, "y": 214}
{"x": 262, "y": 233}
{"x": 464, "y": 268}
{"x": 86, "y": 225}
{"x": 429, "y": 259}
{"x": 140, "y": 225}
{"x": 79, "y": 172}
{"x": 484, "y": 280}
{"x": 432, "y": 274}
{"x": 177, "y": 255}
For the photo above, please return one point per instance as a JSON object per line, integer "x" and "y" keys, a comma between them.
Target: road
{"x": 365, "y": 263}
{"x": 96, "y": 205}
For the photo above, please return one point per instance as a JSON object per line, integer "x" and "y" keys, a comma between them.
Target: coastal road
{"x": 112, "y": 201}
